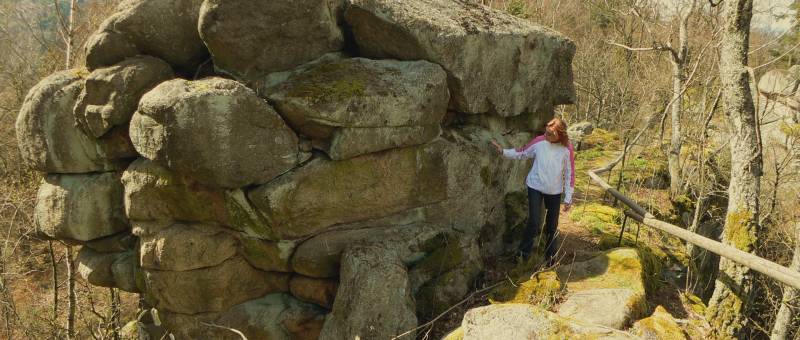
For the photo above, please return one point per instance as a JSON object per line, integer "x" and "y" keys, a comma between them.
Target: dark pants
{"x": 551, "y": 204}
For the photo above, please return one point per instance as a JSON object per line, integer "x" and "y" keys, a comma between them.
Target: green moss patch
{"x": 541, "y": 289}
{"x": 597, "y": 218}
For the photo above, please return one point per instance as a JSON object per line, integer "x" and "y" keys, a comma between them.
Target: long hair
{"x": 560, "y": 128}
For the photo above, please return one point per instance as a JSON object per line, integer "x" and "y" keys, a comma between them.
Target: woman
{"x": 551, "y": 175}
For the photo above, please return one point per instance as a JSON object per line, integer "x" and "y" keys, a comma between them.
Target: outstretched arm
{"x": 513, "y": 153}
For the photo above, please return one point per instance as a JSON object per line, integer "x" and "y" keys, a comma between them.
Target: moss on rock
{"x": 541, "y": 288}
{"x": 660, "y": 325}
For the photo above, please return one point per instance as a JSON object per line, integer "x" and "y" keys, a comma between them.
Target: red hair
{"x": 558, "y": 125}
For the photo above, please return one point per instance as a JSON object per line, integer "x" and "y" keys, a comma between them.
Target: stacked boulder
{"x": 292, "y": 169}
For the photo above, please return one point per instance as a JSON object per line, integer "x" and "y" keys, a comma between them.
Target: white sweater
{"x": 552, "y": 167}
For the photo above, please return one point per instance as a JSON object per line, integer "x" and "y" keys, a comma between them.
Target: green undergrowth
{"x": 597, "y": 218}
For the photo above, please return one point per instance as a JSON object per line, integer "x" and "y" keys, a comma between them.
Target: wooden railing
{"x": 636, "y": 212}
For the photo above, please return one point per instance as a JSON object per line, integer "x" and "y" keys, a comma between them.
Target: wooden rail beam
{"x": 759, "y": 264}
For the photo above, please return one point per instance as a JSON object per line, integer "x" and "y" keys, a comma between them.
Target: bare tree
{"x": 727, "y": 307}
{"x": 679, "y": 58}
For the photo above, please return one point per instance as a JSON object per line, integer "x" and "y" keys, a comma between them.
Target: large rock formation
{"x": 48, "y": 139}
{"x": 271, "y": 36}
{"x": 496, "y": 62}
{"x": 166, "y": 29}
{"x": 316, "y": 194}
{"x": 351, "y": 107}
{"x": 215, "y": 129}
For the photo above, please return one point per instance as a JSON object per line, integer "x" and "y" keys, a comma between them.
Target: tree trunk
{"x": 728, "y": 305}
{"x": 115, "y": 314}
{"x": 780, "y": 330}
{"x": 55, "y": 281}
{"x": 70, "y": 294}
{"x": 679, "y": 60}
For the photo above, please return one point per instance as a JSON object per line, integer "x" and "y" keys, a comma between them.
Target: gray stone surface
{"x": 124, "y": 270}
{"x": 324, "y": 193}
{"x": 320, "y": 256}
{"x": 214, "y": 129}
{"x": 166, "y": 29}
{"x": 112, "y": 94}
{"x": 248, "y": 39}
{"x": 80, "y": 207}
{"x": 275, "y": 316}
{"x": 350, "y": 107}
{"x": 524, "y": 321}
{"x": 616, "y": 305}
{"x": 182, "y": 247}
{"x": 95, "y": 267}
{"x": 47, "y": 136}
{"x": 321, "y": 292}
{"x": 495, "y": 62}
{"x": 267, "y": 255}
{"x": 213, "y": 289}
{"x": 374, "y": 299}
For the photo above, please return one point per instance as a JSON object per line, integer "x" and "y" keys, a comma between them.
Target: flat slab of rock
{"x": 524, "y": 321}
{"x": 166, "y": 29}
{"x": 154, "y": 193}
{"x": 212, "y": 289}
{"x": 267, "y": 255}
{"x": 95, "y": 267}
{"x": 183, "y": 247}
{"x": 80, "y": 207}
{"x": 275, "y": 316}
{"x": 321, "y": 292}
{"x": 528, "y": 68}
{"x": 216, "y": 130}
{"x": 248, "y": 39}
{"x": 112, "y": 94}
{"x": 323, "y": 193}
{"x": 320, "y": 256}
{"x": 611, "y": 282}
{"x": 374, "y": 299}
{"x": 350, "y": 107}
{"x": 614, "y": 304}
{"x": 47, "y": 136}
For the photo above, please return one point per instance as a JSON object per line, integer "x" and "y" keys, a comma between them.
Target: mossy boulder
{"x": 350, "y": 107}
{"x": 48, "y": 138}
{"x": 323, "y": 193}
{"x": 155, "y": 193}
{"x": 320, "y": 256}
{"x": 166, "y": 29}
{"x": 612, "y": 282}
{"x": 248, "y": 39}
{"x": 267, "y": 255}
{"x": 274, "y": 316}
{"x": 185, "y": 246}
{"x": 528, "y": 70}
{"x": 81, "y": 207}
{"x": 374, "y": 299}
{"x": 216, "y": 130}
{"x": 540, "y": 288}
{"x": 660, "y": 325}
{"x": 112, "y": 94}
